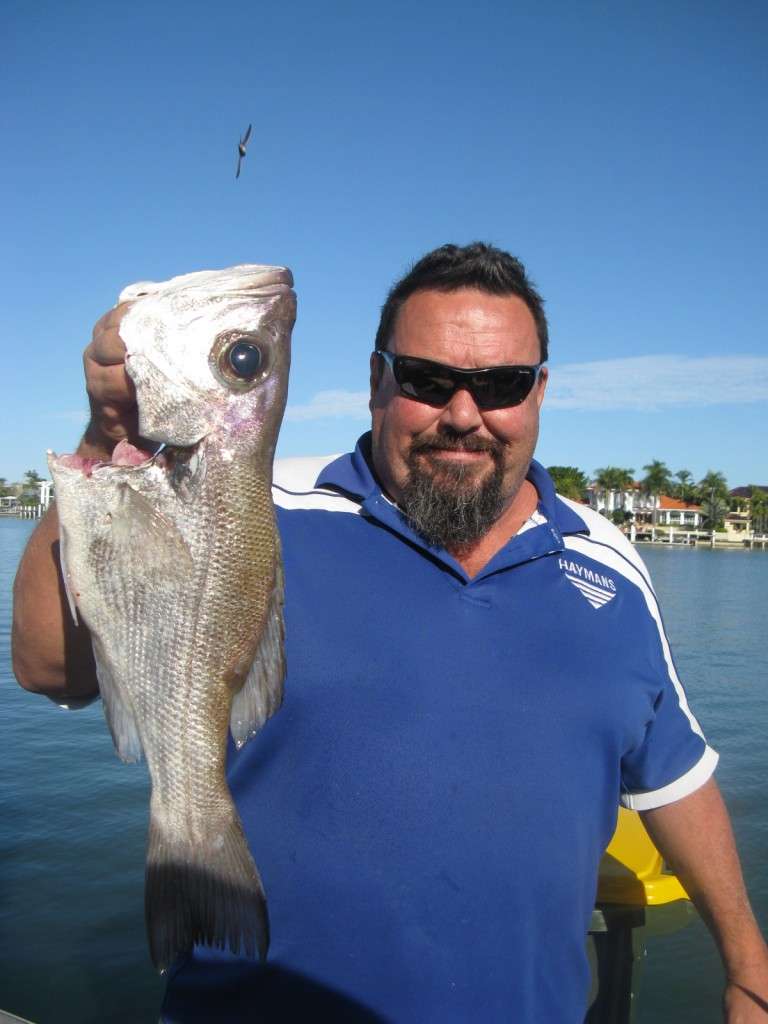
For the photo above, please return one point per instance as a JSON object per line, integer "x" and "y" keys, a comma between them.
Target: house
{"x": 669, "y": 511}
{"x": 743, "y": 520}
{"x": 674, "y": 512}
{"x": 46, "y": 492}
{"x": 605, "y": 501}
{"x": 745, "y": 493}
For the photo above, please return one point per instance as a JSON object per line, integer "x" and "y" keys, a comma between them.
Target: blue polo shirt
{"x": 429, "y": 807}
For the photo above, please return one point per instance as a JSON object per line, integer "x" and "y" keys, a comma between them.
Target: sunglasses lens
{"x": 425, "y": 382}
{"x": 434, "y": 384}
{"x": 502, "y": 387}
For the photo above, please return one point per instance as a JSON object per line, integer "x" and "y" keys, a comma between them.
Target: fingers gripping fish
{"x": 173, "y": 561}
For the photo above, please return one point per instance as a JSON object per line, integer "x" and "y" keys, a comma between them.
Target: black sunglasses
{"x": 497, "y": 387}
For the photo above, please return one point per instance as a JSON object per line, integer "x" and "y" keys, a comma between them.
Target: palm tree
{"x": 684, "y": 487}
{"x": 713, "y": 488}
{"x": 758, "y": 509}
{"x": 613, "y": 479}
{"x": 715, "y": 482}
{"x": 657, "y": 481}
{"x": 714, "y": 508}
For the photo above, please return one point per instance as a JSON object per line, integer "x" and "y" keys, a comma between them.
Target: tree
{"x": 758, "y": 509}
{"x": 684, "y": 489}
{"x": 569, "y": 481}
{"x": 657, "y": 480}
{"x": 29, "y": 487}
{"x": 4, "y": 488}
{"x": 620, "y": 516}
{"x": 714, "y": 507}
{"x": 613, "y": 479}
{"x": 713, "y": 488}
{"x": 713, "y": 482}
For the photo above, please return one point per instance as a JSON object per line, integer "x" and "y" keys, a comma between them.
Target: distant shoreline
{"x": 720, "y": 545}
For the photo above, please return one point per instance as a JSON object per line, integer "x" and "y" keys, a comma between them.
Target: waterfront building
{"x": 46, "y": 492}
{"x": 673, "y": 512}
{"x": 668, "y": 511}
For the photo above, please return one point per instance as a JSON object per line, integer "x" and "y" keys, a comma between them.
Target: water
{"x": 72, "y": 837}
{"x": 73, "y": 818}
{"x": 716, "y": 613}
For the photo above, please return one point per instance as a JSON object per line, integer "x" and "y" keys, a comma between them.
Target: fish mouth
{"x": 127, "y": 456}
{"x": 253, "y": 279}
{"x": 246, "y": 279}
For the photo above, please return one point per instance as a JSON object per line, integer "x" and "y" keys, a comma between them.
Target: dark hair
{"x": 451, "y": 267}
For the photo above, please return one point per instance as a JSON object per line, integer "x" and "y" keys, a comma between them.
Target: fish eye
{"x": 244, "y": 360}
{"x": 240, "y": 360}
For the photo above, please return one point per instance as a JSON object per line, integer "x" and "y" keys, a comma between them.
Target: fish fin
{"x": 262, "y": 692}
{"x": 118, "y": 713}
{"x": 139, "y": 528}
{"x": 65, "y": 577}
{"x": 205, "y": 890}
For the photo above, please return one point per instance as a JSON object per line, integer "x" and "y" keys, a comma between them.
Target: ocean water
{"x": 73, "y": 818}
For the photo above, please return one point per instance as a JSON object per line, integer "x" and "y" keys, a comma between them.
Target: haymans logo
{"x": 595, "y": 587}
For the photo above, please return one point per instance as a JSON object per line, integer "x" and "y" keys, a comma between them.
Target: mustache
{"x": 458, "y": 443}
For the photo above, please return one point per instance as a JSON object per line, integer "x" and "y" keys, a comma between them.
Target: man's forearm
{"x": 694, "y": 836}
{"x": 51, "y": 654}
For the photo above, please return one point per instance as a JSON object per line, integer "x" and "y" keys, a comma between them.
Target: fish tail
{"x": 207, "y": 892}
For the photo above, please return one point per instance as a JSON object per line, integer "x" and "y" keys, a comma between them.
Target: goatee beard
{"x": 445, "y": 503}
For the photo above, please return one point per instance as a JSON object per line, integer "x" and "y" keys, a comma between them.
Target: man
{"x": 477, "y": 675}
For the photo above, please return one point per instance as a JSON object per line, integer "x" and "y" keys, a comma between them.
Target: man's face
{"x": 457, "y": 451}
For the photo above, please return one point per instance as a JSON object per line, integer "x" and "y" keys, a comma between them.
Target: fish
{"x": 241, "y": 149}
{"x": 172, "y": 559}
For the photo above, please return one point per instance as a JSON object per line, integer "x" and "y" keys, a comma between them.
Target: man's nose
{"x": 461, "y": 413}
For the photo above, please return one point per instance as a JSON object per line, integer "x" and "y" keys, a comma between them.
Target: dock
{"x": 21, "y": 506}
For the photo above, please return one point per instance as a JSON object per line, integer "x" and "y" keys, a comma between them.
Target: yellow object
{"x": 632, "y": 869}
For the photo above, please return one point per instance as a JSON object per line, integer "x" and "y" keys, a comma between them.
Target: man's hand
{"x": 114, "y": 414}
{"x": 51, "y": 654}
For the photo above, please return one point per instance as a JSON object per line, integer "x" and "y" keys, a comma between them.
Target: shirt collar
{"x": 352, "y": 472}
{"x": 353, "y": 475}
{"x": 554, "y": 508}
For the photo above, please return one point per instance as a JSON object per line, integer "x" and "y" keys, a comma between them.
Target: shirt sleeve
{"x": 673, "y": 759}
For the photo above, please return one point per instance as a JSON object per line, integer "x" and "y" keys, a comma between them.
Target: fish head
{"x": 209, "y": 354}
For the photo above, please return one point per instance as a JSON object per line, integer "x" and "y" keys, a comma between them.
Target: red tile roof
{"x": 674, "y": 503}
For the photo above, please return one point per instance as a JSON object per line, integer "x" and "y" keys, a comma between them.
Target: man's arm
{"x": 694, "y": 836}
{"x": 51, "y": 654}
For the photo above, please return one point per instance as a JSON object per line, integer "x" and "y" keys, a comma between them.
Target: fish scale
{"x": 173, "y": 562}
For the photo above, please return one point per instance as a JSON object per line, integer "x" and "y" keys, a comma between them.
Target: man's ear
{"x": 541, "y": 385}
{"x": 374, "y": 378}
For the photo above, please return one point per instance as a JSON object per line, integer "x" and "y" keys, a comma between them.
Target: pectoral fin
{"x": 138, "y": 528}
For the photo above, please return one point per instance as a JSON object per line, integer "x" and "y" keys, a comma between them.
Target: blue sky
{"x": 618, "y": 149}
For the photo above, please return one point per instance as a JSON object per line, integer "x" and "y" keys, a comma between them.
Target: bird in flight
{"x": 241, "y": 149}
